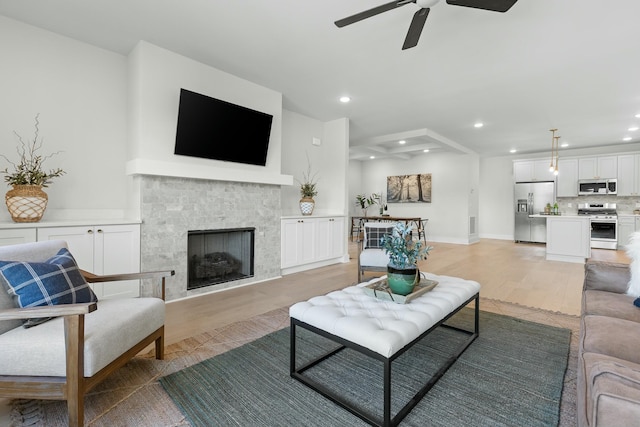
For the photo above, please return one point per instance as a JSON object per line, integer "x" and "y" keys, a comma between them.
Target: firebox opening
{"x": 218, "y": 256}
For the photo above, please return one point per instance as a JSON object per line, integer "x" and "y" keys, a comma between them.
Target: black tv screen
{"x": 214, "y": 129}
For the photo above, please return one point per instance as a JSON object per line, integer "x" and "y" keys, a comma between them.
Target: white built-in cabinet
{"x": 567, "y": 179}
{"x": 532, "y": 170}
{"x": 99, "y": 249}
{"x": 627, "y": 224}
{"x": 629, "y": 175}
{"x": 309, "y": 241}
{"x": 602, "y": 167}
{"x": 15, "y": 236}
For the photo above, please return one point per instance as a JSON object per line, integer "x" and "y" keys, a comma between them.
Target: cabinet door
{"x": 117, "y": 250}
{"x": 80, "y": 243}
{"x": 608, "y": 167}
{"x": 588, "y": 168}
{"x": 627, "y": 175}
{"x": 108, "y": 249}
{"x": 338, "y": 238}
{"x": 541, "y": 171}
{"x": 15, "y": 236}
{"x": 567, "y": 179}
{"x": 298, "y": 242}
{"x": 324, "y": 237}
{"x": 523, "y": 171}
{"x": 331, "y": 238}
{"x": 626, "y": 226}
{"x": 289, "y": 249}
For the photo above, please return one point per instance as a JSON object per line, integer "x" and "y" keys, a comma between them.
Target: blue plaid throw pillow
{"x": 55, "y": 281}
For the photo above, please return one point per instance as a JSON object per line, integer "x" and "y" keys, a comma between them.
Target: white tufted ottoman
{"x": 382, "y": 330}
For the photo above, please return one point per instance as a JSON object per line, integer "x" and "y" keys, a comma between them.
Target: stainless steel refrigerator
{"x": 531, "y": 198}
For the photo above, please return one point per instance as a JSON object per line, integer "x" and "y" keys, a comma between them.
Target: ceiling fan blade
{"x": 369, "y": 13}
{"x": 492, "y": 5}
{"x": 415, "y": 29}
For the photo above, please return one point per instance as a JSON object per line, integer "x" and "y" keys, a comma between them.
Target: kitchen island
{"x": 568, "y": 237}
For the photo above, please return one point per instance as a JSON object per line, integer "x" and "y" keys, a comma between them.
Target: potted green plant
{"x": 308, "y": 190}
{"x": 365, "y": 202}
{"x": 27, "y": 201}
{"x": 404, "y": 253}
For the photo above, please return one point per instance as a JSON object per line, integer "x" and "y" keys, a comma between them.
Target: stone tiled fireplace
{"x": 170, "y": 207}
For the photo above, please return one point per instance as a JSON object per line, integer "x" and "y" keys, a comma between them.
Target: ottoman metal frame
{"x": 367, "y": 416}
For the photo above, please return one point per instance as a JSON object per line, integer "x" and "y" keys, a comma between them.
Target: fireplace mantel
{"x": 185, "y": 170}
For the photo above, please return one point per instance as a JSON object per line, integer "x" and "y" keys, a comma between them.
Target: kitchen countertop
{"x": 561, "y": 216}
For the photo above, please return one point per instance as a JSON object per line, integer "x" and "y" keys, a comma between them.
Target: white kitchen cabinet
{"x": 567, "y": 179}
{"x": 568, "y": 238}
{"x": 598, "y": 167}
{"x": 532, "y": 170}
{"x": 629, "y": 175}
{"x": 14, "y": 236}
{"x": 308, "y": 242}
{"x": 103, "y": 249}
{"x": 626, "y": 226}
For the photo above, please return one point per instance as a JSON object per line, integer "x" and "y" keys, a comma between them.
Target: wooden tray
{"x": 380, "y": 289}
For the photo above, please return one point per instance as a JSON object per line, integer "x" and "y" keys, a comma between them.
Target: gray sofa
{"x": 608, "y": 388}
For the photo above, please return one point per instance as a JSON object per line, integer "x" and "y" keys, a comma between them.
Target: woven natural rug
{"x": 132, "y": 396}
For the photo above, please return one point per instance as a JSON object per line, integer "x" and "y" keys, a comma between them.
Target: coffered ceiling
{"x": 566, "y": 64}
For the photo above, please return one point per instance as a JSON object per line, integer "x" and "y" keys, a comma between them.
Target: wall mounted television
{"x": 210, "y": 128}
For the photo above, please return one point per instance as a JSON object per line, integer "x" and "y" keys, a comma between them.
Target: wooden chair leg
{"x": 160, "y": 346}
{"x": 74, "y": 341}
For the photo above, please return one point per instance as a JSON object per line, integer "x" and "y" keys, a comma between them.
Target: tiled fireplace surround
{"x": 173, "y": 206}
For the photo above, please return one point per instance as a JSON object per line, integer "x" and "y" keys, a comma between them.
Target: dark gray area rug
{"x": 512, "y": 375}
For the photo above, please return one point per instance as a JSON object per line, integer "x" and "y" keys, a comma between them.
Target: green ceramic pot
{"x": 402, "y": 281}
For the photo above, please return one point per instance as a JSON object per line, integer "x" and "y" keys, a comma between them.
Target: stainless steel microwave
{"x": 589, "y": 187}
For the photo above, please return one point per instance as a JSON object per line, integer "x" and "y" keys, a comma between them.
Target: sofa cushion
{"x": 612, "y": 391}
{"x": 606, "y": 276}
{"x": 34, "y": 251}
{"x": 54, "y": 281}
{"x": 614, "y": 337}
{"x": 115, "y": 327}
{"x": 610, "y": 304}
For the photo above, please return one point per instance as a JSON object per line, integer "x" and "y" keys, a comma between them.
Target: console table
{"x": 383, "y": 331}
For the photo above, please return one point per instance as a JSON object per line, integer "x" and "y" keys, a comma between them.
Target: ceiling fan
{"x": 420, "y": 17}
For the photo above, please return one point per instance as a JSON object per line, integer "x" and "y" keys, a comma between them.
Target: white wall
{"x": 496, "y": 210}
{"x": 80, "y": 92}
{"x": 453, "y": 178}
{"x": 328, "y": 162}
{"x": 156, "y": 76}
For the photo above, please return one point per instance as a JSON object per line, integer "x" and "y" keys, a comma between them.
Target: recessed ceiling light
{"x": 633, "y": 128}
{"x": 426, "y": 150}
{"x": 478, "y": 125}
{"x": 564, "y": 145}
{"x": 345, "y": 99}
{"x": 372, "y": 157}
{"x": 627, "y": 138}
{"x": 402, "y": 142}
{"x": 637, "y": 116}
{"x": 513, "y": 150}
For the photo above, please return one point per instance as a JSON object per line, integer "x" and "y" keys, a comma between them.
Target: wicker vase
{"x": 306, "y": 205}
{"x": 26, "y": 203}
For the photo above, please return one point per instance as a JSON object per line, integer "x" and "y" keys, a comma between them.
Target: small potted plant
{"x": 308, "y": 190}
{"x": 27, "y": 201}
{"x": 365, "y": 202}
{"x": 404, "y": 253}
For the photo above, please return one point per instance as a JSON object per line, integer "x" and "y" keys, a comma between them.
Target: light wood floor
{"x": 516, "y": 273}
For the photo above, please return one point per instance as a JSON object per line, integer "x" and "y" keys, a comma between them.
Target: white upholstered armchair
{"x": 371, "y": 256}
{"x": 65, "y": 357}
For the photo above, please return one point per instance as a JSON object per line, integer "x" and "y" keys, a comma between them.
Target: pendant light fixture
{"x": 553, "y": 166}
